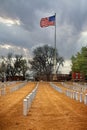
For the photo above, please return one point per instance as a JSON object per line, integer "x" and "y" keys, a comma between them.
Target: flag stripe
{"x": 48, "y": 21}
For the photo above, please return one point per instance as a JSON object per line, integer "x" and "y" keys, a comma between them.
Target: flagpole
{"x": 55, "y": 47}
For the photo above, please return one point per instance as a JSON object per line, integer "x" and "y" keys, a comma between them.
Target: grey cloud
{"x": 24, "y": 10}
{"x": 14, "y": 35}
{"x": 71, "y": 21}
{"x": 74, "y": 13}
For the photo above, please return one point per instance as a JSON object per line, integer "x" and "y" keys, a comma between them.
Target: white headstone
{"x": 25, "y": 109}
{"x": 80, "y": 97}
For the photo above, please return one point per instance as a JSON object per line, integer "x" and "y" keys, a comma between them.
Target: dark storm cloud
{"x": 22, "y": 9}
{"x": 74, "y": 13}
{"x": 71, "y": 21}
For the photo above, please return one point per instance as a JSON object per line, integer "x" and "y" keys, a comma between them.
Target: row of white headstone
{"x": 77, "y": 96}
{"x": 56, "y": 88}
{"x": 72, "y": 94}
{"x": 17, "y": 87}
{"x": 6, "y": 84}
{"x": 2, "y": 89}
{"x": 82, "y": 87}
{"x": 28, "y": 100}
{"x": 75, "y": 87}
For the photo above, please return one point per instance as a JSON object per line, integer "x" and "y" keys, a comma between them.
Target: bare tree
{"x": 43, "y": 60}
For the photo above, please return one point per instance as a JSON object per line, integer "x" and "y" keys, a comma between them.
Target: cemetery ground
{"x": 50, "y": 110}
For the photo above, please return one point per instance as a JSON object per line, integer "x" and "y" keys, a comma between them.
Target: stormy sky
{"x": 20, "y": 30}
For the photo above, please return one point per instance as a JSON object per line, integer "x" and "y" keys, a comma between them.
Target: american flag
{"x": 48, "y": 21}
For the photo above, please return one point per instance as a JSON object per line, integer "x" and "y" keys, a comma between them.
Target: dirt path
{"x": 49, "y": 111}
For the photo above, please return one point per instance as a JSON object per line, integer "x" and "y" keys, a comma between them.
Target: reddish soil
{"x": 50, "y": 110}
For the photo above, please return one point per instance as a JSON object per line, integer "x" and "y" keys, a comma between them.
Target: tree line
{"x": 41, "y": 64}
